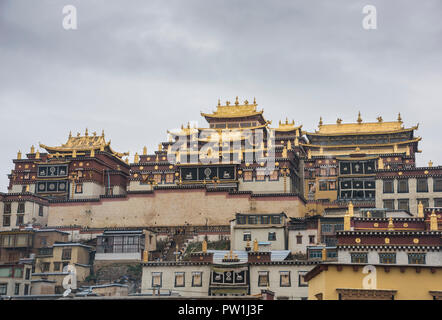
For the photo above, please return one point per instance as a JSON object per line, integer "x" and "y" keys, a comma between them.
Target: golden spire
{"x": 296, "y": 141}
{"x": 351, "y": 209}
{"x": 74, "y": 153}
{"x": 289, "y": 145}
{"x": 246, "y": 102}
{"x": 27, "y": 188}
{"x": 320, "y": 121}
{"x": 19, "y": 155}
{"x": 368, "y": 214}
{"x": 254, "y": 101}
{"x": 144, "y": 151}
{"x": 379, "y": 119}
{"x": 102, "y": 133}
{"x": 160, "y": 147}
{"x": 236, "y": 101}
{"x": 136, "y": 158}
{"x": 309, "y": 154}
{"x": 219, "y": 102}
{"x": 204, "y": 246}
{"x": 390, "y": 224}
{"x": 70, "y": 134}
{"x": 347, "y": 222}
{"x": 92, "y": 153}
{"x": 255, "y": 245}
{"x": 127, "y": 160}
{"x": 399, "y": 118}
{"x": 86, "y": 133}
{"x": 433, "y": 221}
{"x": 359, "y": 117}
{"x": 32, "y": 149}
{"x": 420, "y": 210}
{"x": 430, "y": 163}
{"x": 95, "y": 133}
{"x": 37, "y": 155}
{"x": 339, "y": 121}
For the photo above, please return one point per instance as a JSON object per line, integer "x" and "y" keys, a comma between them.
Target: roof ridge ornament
{"x": 399, "y": 118}
{"x": 320, "y": 121}
{"x": 359, "y": 118}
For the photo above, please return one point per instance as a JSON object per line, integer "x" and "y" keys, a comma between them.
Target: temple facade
{"x": 203, "y": 176}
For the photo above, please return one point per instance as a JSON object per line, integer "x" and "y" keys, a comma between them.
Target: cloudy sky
{"x": 137, "y": 68}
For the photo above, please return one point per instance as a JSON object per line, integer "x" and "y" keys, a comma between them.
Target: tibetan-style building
{"x": 342, "y": 158}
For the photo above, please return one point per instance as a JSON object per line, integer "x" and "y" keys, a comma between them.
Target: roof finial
{"x": 32, "y": 149}
{"x": 102, "y": 133}
{"x": 219, "y": 102}
{"x": 86, "y": 133}
{"x": 236, "y": 101}
{"x": 70, "y": 134}
{"x": 320, "y": 121}
{"x": 379, "y": 119}
{"x": 359, "y": 117}
{"x": 430, "y": 163}
{"x": 399, "y": 118}
{"x": 254, "y": 101}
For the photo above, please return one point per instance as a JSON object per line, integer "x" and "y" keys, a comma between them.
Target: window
{"x": 323, "y": 171}
{"x": 263, "y": 279}
{"x": 298, "y": 239}
{"x": 284, "y": 279}
{"x": 79, "y": 188}
{"x": 359, "y": 257}
{"x": 438, "y": 202}
{"x": 260, "y": 176}
{"x": 26, "y": 292}
{"x": 197, "y": 279}
{"x": 265, "y": 220}
{"x": 157, "y": 178}
{"x": 301, "y": 281}
{"x": 247, "y": 236}
{"x": 422, "y": 185}
{"x": 332, "y": 171}
{"x": 21, "y": 207}
{"x": 169, "y": 177}
{"x": 17, "y": 289}
{"x": 332, "y": 185}
{"x": 156, "y": 279}
{"x": 326, "y": 227}
{"x": 387, "y": 258}
{"x": 389, "y": 204}
{"x": 40, "y": 211}
{"x": 315, "y": 254}
{"x": 388, "y": 186}
{"x": 311, "y": 239}
{"x": 402, "y": 186}
{"x": 23, "y": 189}
{"x": 66, "y": 254}
{"x": 403, "y": 204}
{"x": 274, "y": 175}
{"x": 276, "y": 219}
{"x": 57, "y": 266}
{"x": 241, "y": 219}
{"x": 45, "y": 267}
{"x": 272, "y": 236}
{"x": 28, "y": 274}
{"x": 6, "y": 220}
{"x": 248, "y": 176}
{"x": 179, "y": 279}
{"x": 437, "y": 185}
{"x": 323, "y": 185}
{"x": 19, "y": 220}
{"x": 252, "y": 220}
{"x": 7, "y": 208}
{"x": 416, "y": 258}
{"x": 3, "y": 289}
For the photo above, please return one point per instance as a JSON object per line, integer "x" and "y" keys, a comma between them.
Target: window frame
{"x": 194, "y": 273}
{"x": 263, "y": 275}
{"x": 285, "y": 273}
{"x": 183, "y": 274}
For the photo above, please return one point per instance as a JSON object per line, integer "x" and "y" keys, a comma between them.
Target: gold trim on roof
{"x": 84, "y": 143}
{"x": 234, "y": 111}
{"x": 360, "y": 145}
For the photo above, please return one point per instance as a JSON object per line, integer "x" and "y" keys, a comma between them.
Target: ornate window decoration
{"x": 197, "y": 279}
{"x": 359, "y": 257}
{"x": 263, "y": 279}
{"x": 157, "y": 279}
{"x": 416, "y": 258}
{"x": 179, "y": 279}
{"x": 284, "y": 279}
{"x": 387, "y": 258}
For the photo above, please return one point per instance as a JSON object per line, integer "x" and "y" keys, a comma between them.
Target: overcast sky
{"x": 138, "y": 68}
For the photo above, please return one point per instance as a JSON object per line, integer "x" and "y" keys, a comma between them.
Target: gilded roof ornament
{"x": 19, "y": 155}
{"x": 320, "y": 121}
{"x": 399, "y": 118}
{"x": 219, "y": 102}
{"x": 32, "y": 149}
{"x": 380, "y": 119}
{"x": 86, "y": 133}
{"x": 339, "y": 121}
{"x": 236, "y": 101}
{"x": 359, "y": 118}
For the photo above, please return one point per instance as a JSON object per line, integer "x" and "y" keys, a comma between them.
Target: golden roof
{"x": 84, "y": 143}
{"x": 361, "y": 127}
{"x": 234, "y": 111}
{"x": 287, "y": 126}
